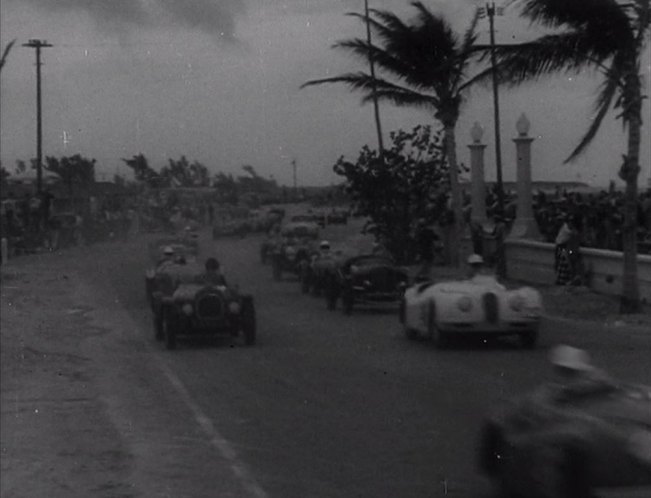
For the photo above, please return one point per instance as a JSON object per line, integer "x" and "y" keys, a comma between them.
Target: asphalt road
{"x": 324, "y": 405}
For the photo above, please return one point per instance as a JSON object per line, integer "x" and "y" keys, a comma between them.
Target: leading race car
{"x": 568, "y": 442}
{"x": 478, "y": 306}
{"x": 184, "y": 303}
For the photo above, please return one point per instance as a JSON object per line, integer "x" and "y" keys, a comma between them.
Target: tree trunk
{"x": 630, "y": 299}
{"x": 455, "y": 193}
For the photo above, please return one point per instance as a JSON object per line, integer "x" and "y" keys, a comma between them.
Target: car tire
{"x": 248, "y": 322}
{"x": 169, "y": 329}
{"x": 441, "y": 339}
{"x": 410, "y": 333}
{"x": 574, "y": 472}
{"x": 493, "y": 456}
{"x": 529, "y": 339}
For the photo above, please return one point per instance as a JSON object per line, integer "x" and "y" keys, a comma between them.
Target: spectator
{"x": 566, "y": 254}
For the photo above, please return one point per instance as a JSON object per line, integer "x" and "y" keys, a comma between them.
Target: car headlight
{"x": 464, "y": 304}
{"x": 234, "y": 307}
{"x": 516, "y": 303}
{"x": 187, "y": 308}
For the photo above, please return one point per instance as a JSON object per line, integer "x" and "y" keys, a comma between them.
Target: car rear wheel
{"x": 169, "y": 329}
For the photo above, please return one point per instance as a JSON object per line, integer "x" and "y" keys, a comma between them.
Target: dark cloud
{"x": 215, "y": 17}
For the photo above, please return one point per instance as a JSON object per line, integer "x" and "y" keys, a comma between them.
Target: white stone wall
{"x": 533, "y": 262}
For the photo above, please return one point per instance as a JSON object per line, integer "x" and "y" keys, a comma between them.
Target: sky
{"x": 218, "y": 81}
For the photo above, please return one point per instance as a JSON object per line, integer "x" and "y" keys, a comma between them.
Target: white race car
{"x": 480, "y": 306}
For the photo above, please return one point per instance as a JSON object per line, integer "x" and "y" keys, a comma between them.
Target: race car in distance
{"x": 294, "y": 250}
{"x": 481, "y": 308}
{"x": 366, "y": 279}
{"x": 184, "y": 246}
{"x": 570, "y": 442}
{"x": 183, "y": 303}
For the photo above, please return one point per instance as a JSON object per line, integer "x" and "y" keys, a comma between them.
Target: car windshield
{"x": 370, "y": 261}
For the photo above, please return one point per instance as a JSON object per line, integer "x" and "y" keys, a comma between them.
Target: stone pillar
{"x": 524, "y": 226}
{"x": 478, "y": 190}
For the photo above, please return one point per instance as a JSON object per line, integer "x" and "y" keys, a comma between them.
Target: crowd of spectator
{"x": 597, "y": 216}
{"x": 29, "y": 224}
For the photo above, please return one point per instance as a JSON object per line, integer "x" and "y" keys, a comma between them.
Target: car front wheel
{"x": 529, "y": 339}
{"x": 248, "y": 323}
{"x": 441, "y": 339}
{"x": 169, "y": 329}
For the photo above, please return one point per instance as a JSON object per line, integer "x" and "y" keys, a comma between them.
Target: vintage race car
{"x": 568, "y": 442}
{"x": 481, "y": 307}
{"x": 185, "y": 245}
{"x": 294, "y": 250}
{"x": 183, "y": 303}
{"x": 366, "y": 279}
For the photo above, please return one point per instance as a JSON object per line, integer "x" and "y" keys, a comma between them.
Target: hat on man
{"x": 569, "y": 357}
{"x": 168, "y": 251}
{"x": 475, "y": 259}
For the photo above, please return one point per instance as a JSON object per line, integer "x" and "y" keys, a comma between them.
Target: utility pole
{"x": 490, "y": 11}
{"x": 295, "y": 184}
{"x": 38, "y": 45}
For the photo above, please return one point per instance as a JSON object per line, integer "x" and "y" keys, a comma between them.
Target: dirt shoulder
{"x": 55, "y": 437}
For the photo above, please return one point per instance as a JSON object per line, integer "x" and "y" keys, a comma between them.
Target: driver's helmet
{"x": 168, "y": 251}
{"x": 570, "y": 358}
{"x": 475, "y": 259}
{"x": 324, "y": 245}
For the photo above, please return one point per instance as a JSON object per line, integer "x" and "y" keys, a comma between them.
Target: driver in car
{"x": 212, "y": 274}
{"x": 480, "y": 274}
{"x": 167, "y": 260}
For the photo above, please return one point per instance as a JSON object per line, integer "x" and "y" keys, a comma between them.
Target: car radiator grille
{"x": 210, "y": 306}
{"x": 491, "y": 309}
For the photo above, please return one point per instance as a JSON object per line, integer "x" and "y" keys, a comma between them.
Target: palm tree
{"x": 426, "y": 65}
{"x": 611, "y": 37}
{"x": 5, "y": 53}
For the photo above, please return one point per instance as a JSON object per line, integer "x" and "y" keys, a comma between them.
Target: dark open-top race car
{"x": 568, "y": 442}
{"x": 184, "y": 303}
{"x": 367, "y": 279}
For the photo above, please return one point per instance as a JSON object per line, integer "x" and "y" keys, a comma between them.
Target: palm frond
{"x": 565, "y": 52}
{"x": 577, "y": 14}
{"x": 602, "y": 106}
{"x": 382, "y": 58}
{"x": 467, "y": 51}
{"x": 6, "y": 51}
{"x": 403, "y": 97}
